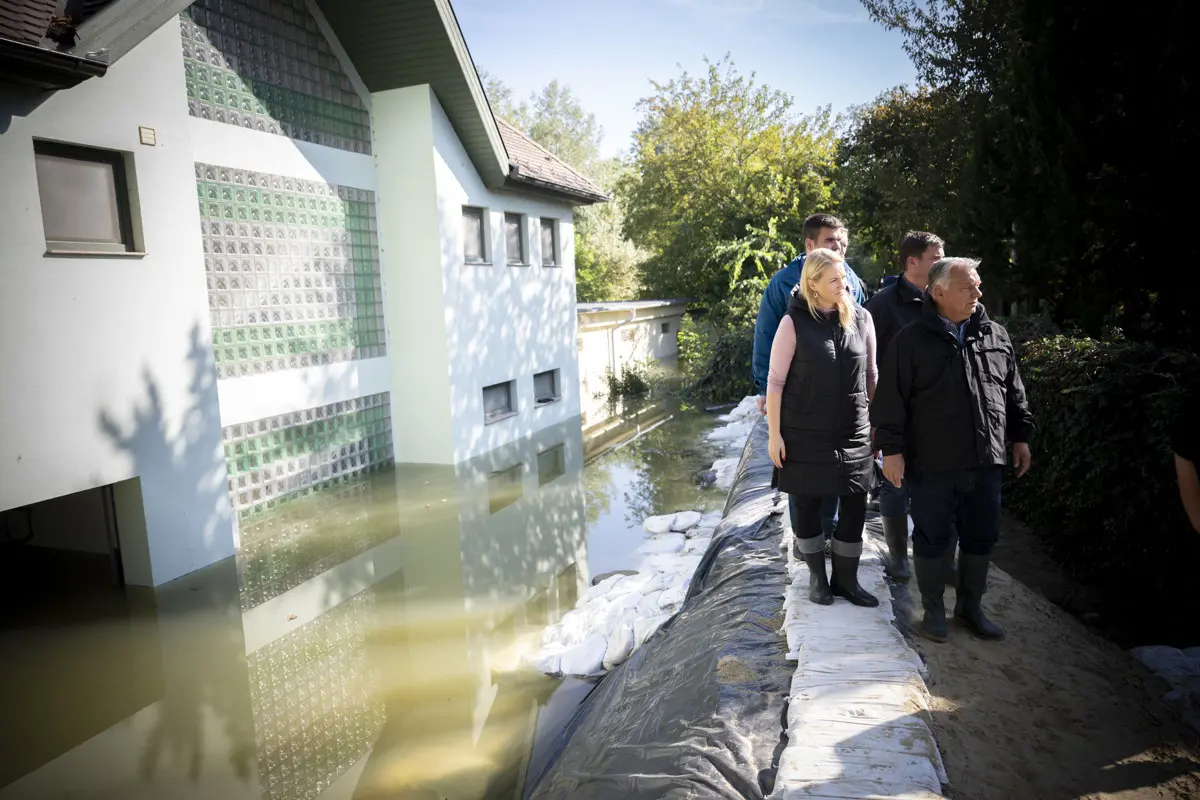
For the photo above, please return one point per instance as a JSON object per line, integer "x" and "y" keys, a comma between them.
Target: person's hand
{"x": 777, "y": 450}
{"x": 1022, "y": 458}
{"x": 893, "y": 469}
{"x": 762, "y": 404}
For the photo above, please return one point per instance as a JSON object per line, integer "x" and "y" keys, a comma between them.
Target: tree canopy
{"x": 722, "y": 175}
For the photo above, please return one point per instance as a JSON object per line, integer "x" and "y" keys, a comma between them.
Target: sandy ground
{"x": 1052, "y": 712}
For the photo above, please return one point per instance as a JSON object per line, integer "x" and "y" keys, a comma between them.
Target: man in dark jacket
{"x": 893, "y": 307}
{"x": 949, "y": 393}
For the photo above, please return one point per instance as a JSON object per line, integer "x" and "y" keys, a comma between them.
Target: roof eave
{"x": 577, "y": 197}
{"x": 123, "y": 25}
{"x": 42, "y": 68}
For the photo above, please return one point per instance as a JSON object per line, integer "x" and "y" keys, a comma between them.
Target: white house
{"x": 255, "y": 248}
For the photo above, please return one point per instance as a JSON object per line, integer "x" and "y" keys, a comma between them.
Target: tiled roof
{"x": 26, "y": 21}
{"x": 533, "y": 164}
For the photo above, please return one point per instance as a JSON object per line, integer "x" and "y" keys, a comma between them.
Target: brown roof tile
{"x": 26, "y": 20}
{"x": 536, "y": 165}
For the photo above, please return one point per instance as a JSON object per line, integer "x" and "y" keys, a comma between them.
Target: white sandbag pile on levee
{"x": 621, "y": 612}
{"x": 858, "y": 709}
{"x": 739, "y": 422}
{"x": 1179, "y": 668}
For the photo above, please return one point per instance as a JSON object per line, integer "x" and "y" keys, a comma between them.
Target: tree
{"x": 605, "y": 261}
{"x": 905, "y": 163}
{"x": 723, "y": 174}
{"x": 1070, "y": 141}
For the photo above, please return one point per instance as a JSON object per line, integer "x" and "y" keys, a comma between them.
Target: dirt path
{"x": 1053, "y": 712}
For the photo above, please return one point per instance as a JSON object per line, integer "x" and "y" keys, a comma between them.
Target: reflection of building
{"x": 278, "y": 243}
{"x": 612, "y": 335}
{"x": 372, "y": 654}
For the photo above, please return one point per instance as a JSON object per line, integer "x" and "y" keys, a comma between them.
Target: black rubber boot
{"x": 818, "y": 583}
{"x": 949, "y": 570}
{"x": 933, "y": 589}
{"x": 846, "y": 556}
{"x": 972, "y": 583}
{"x": 895, "y": 532}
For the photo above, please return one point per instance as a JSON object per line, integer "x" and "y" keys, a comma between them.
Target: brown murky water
{"x": 366, "y": 643}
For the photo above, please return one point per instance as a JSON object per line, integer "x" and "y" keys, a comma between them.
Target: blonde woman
{"x": 820, "y": 384}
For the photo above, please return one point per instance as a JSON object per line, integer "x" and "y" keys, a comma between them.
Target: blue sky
{"x": 818, "y": 51}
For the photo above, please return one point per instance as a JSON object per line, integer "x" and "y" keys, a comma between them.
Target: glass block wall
{"x": 314, "y": 704}
{"x": 281, "y": 551}
{"x": 276, "y": 459}
{"x": 293, "y": 271}
{"x": 264, "y": 65}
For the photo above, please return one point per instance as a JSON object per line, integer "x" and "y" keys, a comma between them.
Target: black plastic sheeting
{"x": 698, "y": 710}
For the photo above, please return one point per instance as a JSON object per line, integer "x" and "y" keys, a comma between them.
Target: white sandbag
{"x": 650, "y": 605}
{"x": 547, "y": 661}
{"x": 645, "y": 627}
{"x": 1166, "y": 662}
{"x": 586, "y": 658}
{"x": 700, "y": 532}
{"x": 620, "y": 644}
{"x": 659, "y": 524}
{"x": 685, "y": 520}
{"x": 646, "y": 582}
{"x": 662, "y": 562}
{"x": 625, "y": 603}
{"x": 604, "y": 587}
{"x": 672, "y": 597}
{"x": 697, "y": 545}
{"x": 711, "y": 520}
{"x": 726, "y": 469}
{"x": 667, "y": 543}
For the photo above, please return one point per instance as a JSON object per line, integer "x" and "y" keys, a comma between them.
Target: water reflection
{"x": 366, "y": 643}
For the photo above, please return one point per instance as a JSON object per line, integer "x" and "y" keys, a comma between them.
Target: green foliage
{"x": 1032, "y": 151}
{"x": 1102, "y": 493}
{"x": 695, "y": 341}
{"x": 725, "y": 375}
{"x": 605, "y": 261}
{"x": 724, "y": 173}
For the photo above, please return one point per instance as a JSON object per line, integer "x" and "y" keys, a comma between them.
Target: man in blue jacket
{"x": 820, "y": 230}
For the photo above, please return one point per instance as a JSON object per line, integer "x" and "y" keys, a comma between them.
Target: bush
{"x": 1103, "y": 493}
{"x": 726, "y": 375}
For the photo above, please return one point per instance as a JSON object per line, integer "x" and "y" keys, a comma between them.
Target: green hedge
{"x": 1102, "y": 494}
{"x": 722, "y": 372}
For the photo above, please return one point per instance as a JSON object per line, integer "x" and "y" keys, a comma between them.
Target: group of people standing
{"x": 918, "y": 374}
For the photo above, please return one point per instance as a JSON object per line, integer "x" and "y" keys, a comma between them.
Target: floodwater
{"x": 366, "y": 643}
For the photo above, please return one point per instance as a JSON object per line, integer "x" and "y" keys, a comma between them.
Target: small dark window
{"x": 514, "y": 239}
{"x": 474, "y": 232}
{"x": 549, "y": 243}
{"x": 505, "y": 487}
{"x": 84, "y": 195}
{"x": 545, "y": 387}
{"x": 498, "y": 401}
{"x": 552, "y": 463}
{"x": 666, "y": 327}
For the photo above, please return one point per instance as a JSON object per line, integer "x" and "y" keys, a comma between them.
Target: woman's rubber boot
{"x": 932, "y": 585}
{"x": 846, "y": 556}
{"x": 972, "y": 583}
{"x": 819, "y": 583}
{"x": 895, "y": 532}
{"x": 949, "y": 570}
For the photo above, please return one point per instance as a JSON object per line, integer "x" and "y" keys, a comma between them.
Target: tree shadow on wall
{"x": 177, "y": 455}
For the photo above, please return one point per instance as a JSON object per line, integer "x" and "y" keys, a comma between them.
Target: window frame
{"x": 522, "y": 238}
{"x": 555, "y": 261}
{"x": 485, "y": 258}
{"x": 556, "y": 376}
{"x": 118, "y": 162}
{"x": 512, "y": 410}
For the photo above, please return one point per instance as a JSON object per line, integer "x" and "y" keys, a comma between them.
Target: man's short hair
{"x": 813, "y": 224}
{"x": 939, "y": 273}
{"x": 914, "y": 244}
